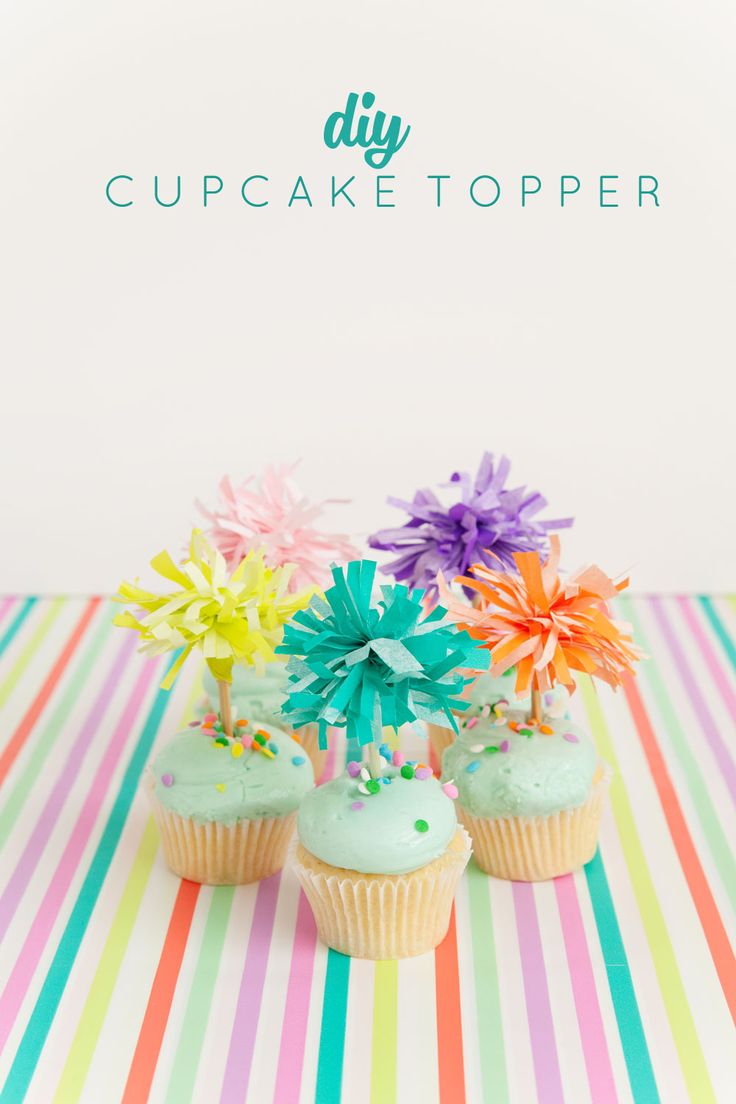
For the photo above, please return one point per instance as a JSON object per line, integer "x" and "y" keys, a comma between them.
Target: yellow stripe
{"x": 26, "y": 655}
{"x": 384, "y": 1047}
{"x": 675, "y": 999}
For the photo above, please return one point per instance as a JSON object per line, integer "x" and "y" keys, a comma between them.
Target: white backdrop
{"x": 146, "y": 351}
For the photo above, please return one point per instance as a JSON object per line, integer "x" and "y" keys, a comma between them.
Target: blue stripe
{"x": 631, "y": 1032}
{"x": 719, "y": 628}
{"x": 332, "y": 1032}
{"x": 34, "y": 1037}
{"x": 16, "y": 623}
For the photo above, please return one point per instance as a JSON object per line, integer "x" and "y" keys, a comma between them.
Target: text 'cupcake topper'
{"x": 360, "y": 665}
{"x": 273, "y": 514}
{"x": 546, "y": 626}
{"x": 230, "y": 618}
{"x": 487, "y": 524}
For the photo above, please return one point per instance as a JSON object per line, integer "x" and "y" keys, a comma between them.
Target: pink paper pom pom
{"x": 273, "y": 514}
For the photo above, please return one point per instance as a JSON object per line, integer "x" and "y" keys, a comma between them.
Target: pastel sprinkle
{"x": 260, "y": 738}
{"x": 221, "y": 741}
{"x": 570, "y": 737}
{"x": 473, "y": 767}
{"x": 236, "y": 750}
{"x": 472, "y": 722}
{"x": 385, "y": 781}
{"x": 503, "y": 746}
{"x": 194, "y": 724}
{"x": 353, "y": 769}
{"x": 262, "y": 732}
{"x": 365, "y": 773}
{"x": 372, "y": 786}
{"x": 217, "y": 726}
{"x": 485, "y": 711}
{"x": 423, "y": 772}
{"x": 513, "y": 726}
{"x": 477, "y": 747}
{"x": 525, "y": 732}
{"x": 492, "y": 749}
{"x": 274, "y": 747}
{"x": 265, "y": 751}
{"x": 502, "y": 703}
{"x": 421, "y": 825}
{"x": 247, "y": 741}
{"x": 167, "y": 780}
{"x": 407, "y": 771}
{"x": 450, "y": 789}
{"x": 296, "y": 737}
{"x": 209, "y": 718}
{"x": 208, "y": 732}
{"x": 385, "y": 751}
{"x": 398, "y": 758}
{"x": 298, "y": 760}
{"x": 220, "y": 786}
{"x": 358, "y": 805}
{"x": 362, "y": 787}
{"x": 242, "y": 723}
{"x": 546, "y": 730}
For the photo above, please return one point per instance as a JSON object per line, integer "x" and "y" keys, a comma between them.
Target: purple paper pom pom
{"x": 489, "y": 523}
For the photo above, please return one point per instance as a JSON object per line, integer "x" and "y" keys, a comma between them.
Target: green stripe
{"x": 385, "y": 1031}
{"x": 15, "y": 625}
{"x": 44, "y": 745}
{"x": 25, "y": 657}
{"x": 191, "y": 1039}
{"x": 722, "y": 854}
{"x": 623, "y": 997}
{"x": 95, "y": 1008}
{"x": 332, "y": 1033}
{"x": 487, "y": 997}
{"x": 685, "y": 1036}
{"x": 719, "y": 628}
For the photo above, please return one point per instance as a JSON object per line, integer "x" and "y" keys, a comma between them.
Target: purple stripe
{"x": 243, "y": 1038}
{"x": 45, "y": 918}
{"x": 720, "y": 677}
{"x": 708, "y": 725}
{"x": 536, "y": 993}
{"x": 16, "y": 887}
{"x": 5, "y": 605}
{"x": 296, "y": 1011}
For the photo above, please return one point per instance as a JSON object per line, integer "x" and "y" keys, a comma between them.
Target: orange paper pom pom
{"x": 545, "y": 626}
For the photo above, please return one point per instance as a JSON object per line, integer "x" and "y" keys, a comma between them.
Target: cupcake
{"x": 379, "y": 849}
{"x": 530, "y": 784}
{"x": 529, "y": 793}
{"x": 379, "y": 863}
{"x": 226, "y": 807}
{"x": 224, "y": 792}
{"x": 258, "y": 696}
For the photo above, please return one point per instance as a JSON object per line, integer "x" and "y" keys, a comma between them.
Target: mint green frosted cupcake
{"x": 226, "y": 808}
{"x": 379, "y": 860}
{"x": 529, "y": 794}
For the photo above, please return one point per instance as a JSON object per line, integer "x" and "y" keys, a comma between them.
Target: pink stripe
{"x": 719, "y": 675}
{"x": 5, "y": 605}
{"x": 296, "y": 1012}
{"x": 243, "y": 1038}
{"x": 707, "y": 724}
{"x": 590, "y": 1021}
{"x": 37, "y": 937}
{"x": 298, "y": 993}
{"x": 16, "y": 887}
{"x": 539, "y": 1013}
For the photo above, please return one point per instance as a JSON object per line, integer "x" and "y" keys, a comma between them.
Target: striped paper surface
{"x": 118, "y": 982}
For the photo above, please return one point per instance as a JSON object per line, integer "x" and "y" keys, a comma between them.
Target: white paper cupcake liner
{"x": 382, "y": 916}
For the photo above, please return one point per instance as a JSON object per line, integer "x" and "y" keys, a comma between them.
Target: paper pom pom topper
{"x": 488, "y": 524}
{"x": 230, "y": 618}
{"x": 273, "y": 514}
{"x": 545, "y": 626}
{"x": 360, "y": 665}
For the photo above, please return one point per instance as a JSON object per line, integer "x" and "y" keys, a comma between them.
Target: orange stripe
{"x": 150, "y": 1038}
{"x": 19, "y": 737}
{"x": 715, "y": 933}
{"x": 449, "y": 1019}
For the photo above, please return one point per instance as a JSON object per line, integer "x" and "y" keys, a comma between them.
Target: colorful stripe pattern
{"x": 117, "y": 981}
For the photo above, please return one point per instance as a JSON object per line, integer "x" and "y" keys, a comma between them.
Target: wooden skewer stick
{"x": 226, "y": 713}
{"x": 374, "y": 760}
{"x": 536, "y": 712}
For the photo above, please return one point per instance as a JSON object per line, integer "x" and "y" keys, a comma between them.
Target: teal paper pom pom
{"x": 360, "y": 665}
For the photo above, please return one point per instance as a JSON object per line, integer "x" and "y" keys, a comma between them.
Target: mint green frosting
{"x": 487, "y": 689}
{"x": 256, "y": 696}
{"x": 381, "y": 837}
{"x": 254, "y": 785}
{"x": 535, "y": 775}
